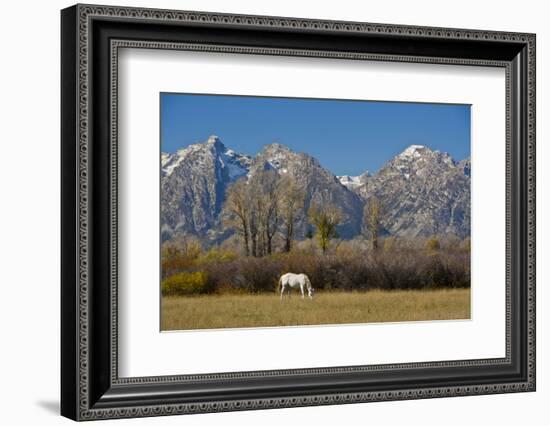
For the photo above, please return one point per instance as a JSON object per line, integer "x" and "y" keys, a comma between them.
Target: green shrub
{"x": 217, "y": 256}
{"x": 185, "y": 284}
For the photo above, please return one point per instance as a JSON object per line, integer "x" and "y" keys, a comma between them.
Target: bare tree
{"x": 292, "y": 202}
{"x": 325, "y": 218}
{"x": 371, "y": 220}
{"x": 269, "y": 192}
{"x": 254, "y": 224}
{"x": 236, "y": 211}
{"x": 257, "y": 207}
{"x": 260, "y": 213}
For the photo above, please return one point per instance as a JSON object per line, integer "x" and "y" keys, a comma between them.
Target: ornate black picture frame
{"x": 91, "y": 36}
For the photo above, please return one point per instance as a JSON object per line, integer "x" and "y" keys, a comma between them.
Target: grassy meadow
{"x": 212, "y": 311}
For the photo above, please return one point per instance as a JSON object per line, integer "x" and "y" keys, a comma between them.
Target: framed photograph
{"x": 263, "y": 212}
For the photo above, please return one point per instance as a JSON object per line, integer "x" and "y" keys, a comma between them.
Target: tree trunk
{"x": 269, "y": 238}
{"x": 288, "y": 237}
{"x": 324, "y": 244}
{"x": 246, "y": 247}
{"x": 375, "y": 242}
{"x": 254, "y": 246}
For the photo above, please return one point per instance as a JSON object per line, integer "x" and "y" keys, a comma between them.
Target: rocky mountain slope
{"x": 193, "y": 185}
{"x": 422, "y": 192}
{"x": 317, "y": 183}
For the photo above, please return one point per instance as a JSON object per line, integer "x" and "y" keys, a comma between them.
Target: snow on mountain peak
{"x": 413, "y": 151}
{"x": 353, "y": 181}
{"x": 169, "y": 162}
{"x": 348, "y": 180}
{"x": 212, "y": 139}
{"x": 215, "y": 144}
{"x": 236, "y": 165}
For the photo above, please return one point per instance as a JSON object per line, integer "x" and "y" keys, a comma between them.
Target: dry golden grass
{"x": 235, "y": 311}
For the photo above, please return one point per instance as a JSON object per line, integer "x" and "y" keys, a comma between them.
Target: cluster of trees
{"x": 261, "y": 208}
{"x": 269, "y": 205}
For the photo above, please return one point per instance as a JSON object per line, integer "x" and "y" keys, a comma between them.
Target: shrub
{"x": 354, "y": 274}
{"x": 351, "y": 267}
{"x": 467, "y": 244}
{"x": 179, "y": 255}
{"x": 395, "y": 270}
{"x": 390, "y": 244}
{"x": 433, "y": 244}
{"x": 185, "y": 284}
{"x": 258, "y": 274}
{"x": 216, "y": 255}
{"x": 174, "y": 261}
{"x": 221, "y": 275}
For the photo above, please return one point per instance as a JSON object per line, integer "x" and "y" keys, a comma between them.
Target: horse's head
{"x": 310, "y": 292}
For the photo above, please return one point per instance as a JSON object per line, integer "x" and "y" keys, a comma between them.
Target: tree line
{"x": 267, "y": 205}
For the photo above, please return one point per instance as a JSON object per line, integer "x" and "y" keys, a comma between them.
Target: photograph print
{"x": 298, "y": 212}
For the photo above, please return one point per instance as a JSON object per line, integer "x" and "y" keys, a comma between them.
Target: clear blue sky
{"x": 347, "y": 137}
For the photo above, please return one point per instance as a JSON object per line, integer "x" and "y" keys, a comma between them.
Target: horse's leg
{"x": 302, "y": 290}
{"x": 282, "y": 292}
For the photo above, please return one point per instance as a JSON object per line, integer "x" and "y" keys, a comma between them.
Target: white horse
{"x": 291, "y": 281}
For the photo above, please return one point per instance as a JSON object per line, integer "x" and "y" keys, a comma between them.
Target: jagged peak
{"x": 276, "y": 155}
{"x": 276, "y": 147}
{"x": 414, "y": 151}
{"x": 215, "y": 141}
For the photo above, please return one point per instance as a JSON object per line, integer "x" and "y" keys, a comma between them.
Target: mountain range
{"x": 422, "y": 192}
